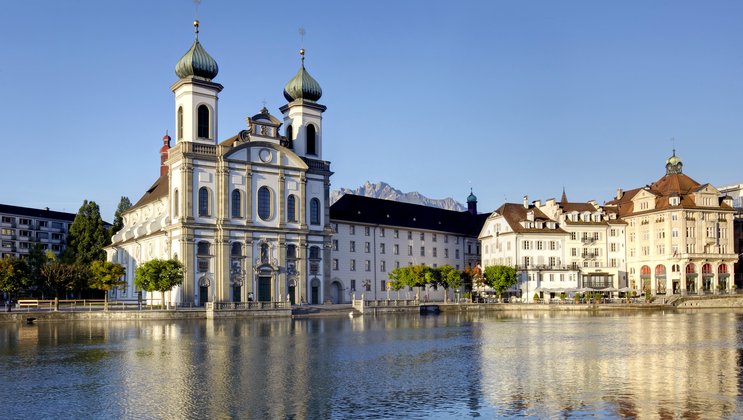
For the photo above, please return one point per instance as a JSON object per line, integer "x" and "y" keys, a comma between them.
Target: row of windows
{"x": 396, "y": 233}
{"x": 311, "y": 137}
{"x": 395, "y": 249}
{"x": 203, "y": 122}
{"x": 265, "y": 205}
{"x": 367, "y": 265}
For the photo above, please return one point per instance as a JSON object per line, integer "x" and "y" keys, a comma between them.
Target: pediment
{"x": 266, "y": 153}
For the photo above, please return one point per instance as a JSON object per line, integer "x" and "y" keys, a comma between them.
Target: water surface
{"x": 648, "y": 365}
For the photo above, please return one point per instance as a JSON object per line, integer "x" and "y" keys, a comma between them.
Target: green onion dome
{"x": 197, "y": 62}
{"x": 302, "y": 85}
{"x": 471, "y": 198}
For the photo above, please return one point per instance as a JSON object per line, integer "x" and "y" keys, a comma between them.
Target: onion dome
{"x": 674, "y": 164}
{"x": 197, "y": 62}
{"x": 471, "y": 198}
{"x": 302, "y": 86}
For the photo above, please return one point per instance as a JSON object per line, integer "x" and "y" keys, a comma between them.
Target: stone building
{"x": 679, "y": 235}
{"x": 249, "y": 215}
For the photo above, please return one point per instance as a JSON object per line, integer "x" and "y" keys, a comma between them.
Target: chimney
{"x": 526, "y": 201}
{"x": 619, "y": 193}
{"x": 164, "y": 154}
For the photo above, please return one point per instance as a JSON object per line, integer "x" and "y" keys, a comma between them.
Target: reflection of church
{"x": 248, "y": 216}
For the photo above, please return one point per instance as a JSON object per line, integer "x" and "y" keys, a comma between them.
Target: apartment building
{"x": 23, "y": 227}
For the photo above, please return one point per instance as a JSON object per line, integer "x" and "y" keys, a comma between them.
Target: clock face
{"x": 265, "y": 155}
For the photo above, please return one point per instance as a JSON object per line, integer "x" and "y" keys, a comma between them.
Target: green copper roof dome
{"x": 197, "y": 62}
{"x": 302, "y": 86}
{"x": 471, "y": 198}
{"x": 674, "y": 164}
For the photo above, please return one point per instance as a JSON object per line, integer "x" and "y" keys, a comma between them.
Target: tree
{"x": 449, "y": 277}
{"x": 87, "y": 236}
{"x": 124, "y": 205}
{"x": 500, "y": 278}
{"x": 159, "y": 276}
{"x": 106, "y": 275}
{"x": 14, "y": 275}
{"x": 57, "y": 277}
{"x": 36, "y": 259}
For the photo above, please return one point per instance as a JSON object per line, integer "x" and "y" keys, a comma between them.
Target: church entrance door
{"x": 203, "y": 295}
{"x": 264, "y": 288}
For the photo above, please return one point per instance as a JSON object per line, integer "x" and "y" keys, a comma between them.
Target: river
{"x": 636, "y": 365}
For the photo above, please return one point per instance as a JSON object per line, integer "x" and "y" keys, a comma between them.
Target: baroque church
{"x": 248, "y": 216}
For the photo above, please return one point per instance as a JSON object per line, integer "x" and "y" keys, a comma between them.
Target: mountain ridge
{"x": 385, "y": 191}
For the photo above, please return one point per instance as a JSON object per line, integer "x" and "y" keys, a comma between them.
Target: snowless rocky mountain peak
{"x": 385, "y": 191}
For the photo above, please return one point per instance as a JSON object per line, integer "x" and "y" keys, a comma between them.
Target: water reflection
{"x": 616, "y": 365}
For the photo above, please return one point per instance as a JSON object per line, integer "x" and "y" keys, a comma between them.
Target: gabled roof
{"x": 670, "y": 185}
{"x": 158, "y": 190}
{"x": 517, "y": 213}
{"x": 368, "y": 210}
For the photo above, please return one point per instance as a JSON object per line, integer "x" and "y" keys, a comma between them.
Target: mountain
{"x": 387, "y": 192}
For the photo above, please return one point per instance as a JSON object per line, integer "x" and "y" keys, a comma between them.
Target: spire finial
{"x": 196, "y": 4}
{"x": 196, "y": 27}
{"x": 673, "y": 143}
{"x": 302, "y": 32}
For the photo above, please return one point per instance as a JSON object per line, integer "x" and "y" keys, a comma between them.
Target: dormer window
{"x": 674, "y": 201}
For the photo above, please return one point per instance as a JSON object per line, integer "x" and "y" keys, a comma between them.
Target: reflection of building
{"x": 679, "y": 234}
{"x": 22, "y": 227}
{"x": 556, "y": 246}
{"x": 373, "y": 237}
{"x": 248, "y": 216}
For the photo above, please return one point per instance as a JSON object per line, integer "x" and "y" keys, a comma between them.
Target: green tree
{"x": 36, "y": 260}
{"x": 14, "y": 275}
{"x": 58, "y": 277}
{"x": 106, "y": 275}
{"x": 124, "y": 205}
{"x": 159, "y": 276}
{"x": 500, "y": 278}
{"x": 87, "y": 236}
{"x": 449, "y": 278}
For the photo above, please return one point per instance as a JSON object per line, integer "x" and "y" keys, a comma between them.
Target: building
{"x": 23, "y": 227}
{"x": 372, "y": 237}
{"x": 679, "y": 235}
{"x": 248, "y": 216}
{"x": 556, "y": 246}
{"x": 736, "y": 193}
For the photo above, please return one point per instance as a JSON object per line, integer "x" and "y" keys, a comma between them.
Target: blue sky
{"x": 506, "y": 97}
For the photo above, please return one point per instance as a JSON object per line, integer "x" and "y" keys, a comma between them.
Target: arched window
{"x": 203, "y": 121}
{"x": 722, "y": 269}
{"x": 202, "y": 248}
{"x": 315, "y": 211}
{"x": 237, "y": 249}
{"x": 291, "y": 251}
{"x": 203, "y": 201}
{"x": 314, "y": 253}
{"x": 691, "y": 269}
{"x": 180, "y": 123}
{"x": 264, "y": 203}
{"x": 311, "y": 140}
{"x": 176, "y": 202}
{"x": 291, "y": 208}
{"x": 236, "y": 203}
{"x": 289, "y": 132}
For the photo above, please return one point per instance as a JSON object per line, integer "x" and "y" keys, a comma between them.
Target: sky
{"x": 509, "y": 98}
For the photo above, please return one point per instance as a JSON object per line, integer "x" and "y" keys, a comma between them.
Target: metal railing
{"x": 221, "y": 306}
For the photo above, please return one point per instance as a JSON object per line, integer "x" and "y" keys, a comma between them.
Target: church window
{"x": 291, "y": 208}
{"x": 314, "y": 253}
{"x": 289, "y": 132}
{"x": 311, "y": 140}
{"x": 236, "y": 203}
{"x": 203, "y": 201}
{"x": 176, "y": 203}
{"x": 203, "y": 121}
{"x": 237, "y": 249}
{"x": 264, "y": 203}
{"x": 291, "y": 252}
{"x": 180, "y": 123}
{"x": 202, "y": 250}
{"x": 315, "y": 211}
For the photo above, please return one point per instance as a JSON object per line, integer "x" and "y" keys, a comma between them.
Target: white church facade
{"x": 248, "y": 216}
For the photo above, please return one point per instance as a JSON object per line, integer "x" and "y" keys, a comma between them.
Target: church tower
{"x": 472, "y": 203}
{"x": 196, "y": 95}
{"x": 303, "y": 115}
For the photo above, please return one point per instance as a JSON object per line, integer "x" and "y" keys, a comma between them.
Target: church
{"x": 248, "y": 216}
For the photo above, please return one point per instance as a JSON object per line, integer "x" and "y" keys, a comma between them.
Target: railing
{"x": 221, "y": 306}
{"x": 317, "y": 164}
{"x": 204, "y": 149}
{"x": 391, "y": 303}
{"x": 588, "y": 255}
{"x": 555, "y": 267}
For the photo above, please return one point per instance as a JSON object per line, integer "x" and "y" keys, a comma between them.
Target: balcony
{"x": 588, "y": 255}
{"x": 588, "y": 240}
